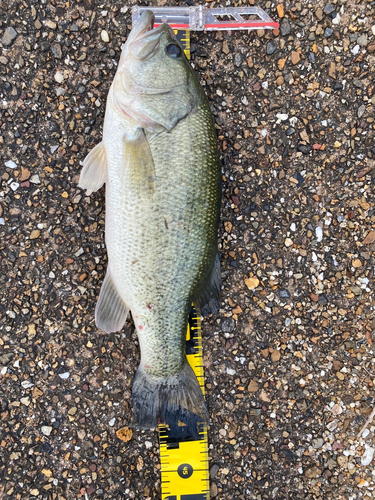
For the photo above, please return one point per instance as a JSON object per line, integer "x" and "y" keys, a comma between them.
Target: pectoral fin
{"x": 94, "y": 172}
{"x": 139, "y": 163}
{"x": 110, "y": 312}
{"x": 209, "y": 297}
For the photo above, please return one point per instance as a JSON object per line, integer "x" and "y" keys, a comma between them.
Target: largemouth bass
{"x": 158, "y": 158}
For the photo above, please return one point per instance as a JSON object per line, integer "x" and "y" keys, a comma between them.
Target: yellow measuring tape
{"x": 184, "y": 459}
{"x": 183, "y": 36}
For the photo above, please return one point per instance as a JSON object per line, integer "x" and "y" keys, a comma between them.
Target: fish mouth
{"x": 144, "y": 38}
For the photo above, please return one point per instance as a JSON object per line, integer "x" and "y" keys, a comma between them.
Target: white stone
{"x": 46, "y": 429}
{"x": 368, "y": 455}
{"x": 282, "y": 116}
{"x": 25, "y": 401}
{"x": 230, "y": 371}
{"x": 288, "y": 242}
{"x": 35, "y": 179}
{"x": 64, "y": 375}
{"x": 26, "y": 384}
{"x": 365, "y": 433}
{"x": 104, "y": 36}
{"x": 319, "y": 233}
{"x": 337, "y": 409}
{"x": 14, "y": 186}
{"x": 59, "y": 77}
{"x": 332, "y": 425}
{"x": 355, "y": 50}
{"x": 10, "y": 164}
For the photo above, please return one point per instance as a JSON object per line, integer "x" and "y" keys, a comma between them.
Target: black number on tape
{"x": 185, "y": 471}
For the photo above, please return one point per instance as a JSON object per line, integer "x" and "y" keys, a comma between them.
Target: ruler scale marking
{"x": 184, "y": 461}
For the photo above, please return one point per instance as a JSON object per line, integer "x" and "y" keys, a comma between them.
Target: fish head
{"x": 152, "y": 59}
{"x": 155, "y": 83}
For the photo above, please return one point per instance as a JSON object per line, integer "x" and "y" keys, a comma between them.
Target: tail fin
{"x": 168, "y": 401}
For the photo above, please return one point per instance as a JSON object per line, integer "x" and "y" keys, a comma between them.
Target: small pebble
{"x": 368, "y": 455}
{"x": 104, "y": 35}
{"x": 285, "y": 27}
{"x": 10, "y": 34}
{"x": 328, "y": 9}
{"x": 288, "y": 242}
{"x": 35, "y": 179}
{"x": 56, "y": 50}
{"x": 328, "y": 32}
{"x": 46, "y": 430}
{"x": 271, "y": 47}
{"x": 59, "y": 77}
{"x": 282, "y": 116}
{"x": 362, "y": 40}
{"x": 10, "y": 164}
{"x": 228, "y": 325}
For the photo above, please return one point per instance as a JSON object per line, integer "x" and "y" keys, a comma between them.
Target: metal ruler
{"x": 199, "y": 17}
{"x": 184, "y": 458}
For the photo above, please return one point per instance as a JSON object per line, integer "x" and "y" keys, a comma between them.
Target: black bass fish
{"x": 159, "y": 160}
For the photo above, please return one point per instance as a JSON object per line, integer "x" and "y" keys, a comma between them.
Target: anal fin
{"x": 111, "y": 311}
{"x": 95, "y": 171}
{"x": 209, "y": 296}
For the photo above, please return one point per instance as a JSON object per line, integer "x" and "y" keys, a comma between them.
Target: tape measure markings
{"x": 184, "y": 459}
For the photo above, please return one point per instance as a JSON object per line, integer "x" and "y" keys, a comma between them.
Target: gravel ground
{"x": 289, "y": 362}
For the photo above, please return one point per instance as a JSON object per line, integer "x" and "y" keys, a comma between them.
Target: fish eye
{"x": 173, "y": 50}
